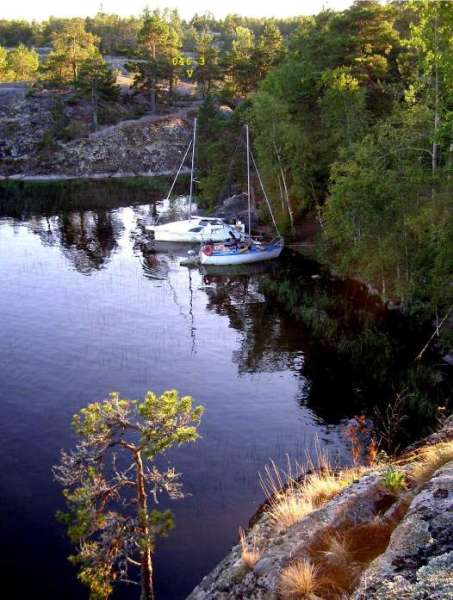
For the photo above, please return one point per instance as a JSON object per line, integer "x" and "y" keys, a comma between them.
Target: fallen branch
{"x": 436, "y": 332}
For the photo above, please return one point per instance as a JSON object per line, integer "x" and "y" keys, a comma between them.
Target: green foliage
{"x": 3, "y": 62}
{"x": 96, "y": 78}
{"x": 98, "y": 578}
{"x": 97, "y": 82}
{"x": 74, "y": 130}
{"x": 19, "y": 64}
{"x": 47, "y": 144}
{"x": 374, "y": 230}
{"x": 108, "y": 516}
{"x": 250, "y": 59}
{"x": 159, "y": 42}
{"x": 393, "y": 480}
{"x": 220, "y": 157}
{"x": 208, "y": 70}
{"x": 14, "y": 32}
{"x": 71, "y": 46}
{"x": 357, "y": 120}
{"x": 118, "y": 35}
{"x": 170, "y": 414}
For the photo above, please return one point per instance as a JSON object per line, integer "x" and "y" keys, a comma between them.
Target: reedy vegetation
{"x": 294, "y": 493}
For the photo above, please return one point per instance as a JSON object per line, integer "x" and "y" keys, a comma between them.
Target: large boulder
{"x": 236, "y": 207}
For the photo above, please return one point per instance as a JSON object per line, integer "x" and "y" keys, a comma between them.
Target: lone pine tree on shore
{"x": 109, "y": 478}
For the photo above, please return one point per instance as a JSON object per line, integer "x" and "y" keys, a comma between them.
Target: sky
{"x": 42, "y": 9}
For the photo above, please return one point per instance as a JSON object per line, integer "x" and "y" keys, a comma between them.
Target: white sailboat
{"x": 248, "y": 250}
{"x": 193, "y": 229}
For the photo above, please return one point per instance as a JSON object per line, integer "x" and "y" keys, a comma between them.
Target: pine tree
{"x": 97, "y": 82}
{"x": 239, "y": 61}
{"x": 71, "y": 47}
{"x": 153, "y": 40}
{"x": 208, "y": 70}
{"x": 109, "y": 480}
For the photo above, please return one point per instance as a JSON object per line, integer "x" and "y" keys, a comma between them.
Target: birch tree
{"x": 431, "y": 38}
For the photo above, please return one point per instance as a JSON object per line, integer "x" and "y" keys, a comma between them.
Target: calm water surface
{"x": 85, "y": 312}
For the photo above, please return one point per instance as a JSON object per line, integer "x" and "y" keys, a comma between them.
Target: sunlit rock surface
{"x": 417, "y": 563}
{"x": 151, "y": 145}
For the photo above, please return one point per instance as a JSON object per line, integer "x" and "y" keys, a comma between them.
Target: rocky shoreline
{"x": 416, "y": 562}
{"x": 147, "y": 146}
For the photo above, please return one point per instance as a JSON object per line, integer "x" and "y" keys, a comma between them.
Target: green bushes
{"x": 19, "y": 64}
{"x": 393, "y": 480}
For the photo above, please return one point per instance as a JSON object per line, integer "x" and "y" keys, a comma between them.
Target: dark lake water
{"x": 84, "y": 312}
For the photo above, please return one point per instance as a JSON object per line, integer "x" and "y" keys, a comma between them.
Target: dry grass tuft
{"x": 366, "y": 541}
{"x": 288, "y": 509}
{"x": 335, "y": 557}
{"x": 299, "y": 581}
{"x": 318, "y": 488}
{"x": 337, "y": 550}
{"x": 293, "y": 494}
{"x": 337, "y": 573}
{"x": 250, "y": 553}
{"x": 341, "y": 553}
{"x": 429, "y": 459}
{"x": 286, "y": 504}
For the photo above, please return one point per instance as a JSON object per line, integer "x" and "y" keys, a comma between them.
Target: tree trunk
{"x": 153, "y": 85}
{"x": 74, "y": 62}
{"x": 285, "y": 187}
{"x": 288, "y": 203}
{"x": 436, "y": 124}
{"x": 282, "y": 201}
{"x": 147, "y": 592}
{"x": 94, "y": 101}
{"x": 152, "y": 98}
{"x": 436, "y": 99}
{"x": 170, "y": 90}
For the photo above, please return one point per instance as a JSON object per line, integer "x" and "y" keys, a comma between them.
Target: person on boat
{"x": 234, "y": 240}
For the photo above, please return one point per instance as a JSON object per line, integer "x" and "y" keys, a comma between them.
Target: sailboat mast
{"x": 193, "y": 164}
{"x": 248, "y": 177}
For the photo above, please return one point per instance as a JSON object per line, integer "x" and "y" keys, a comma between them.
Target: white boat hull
{"x": 182, "y": 231}
{"x": 189, "y": 238}
{"x": 242, "y": 258}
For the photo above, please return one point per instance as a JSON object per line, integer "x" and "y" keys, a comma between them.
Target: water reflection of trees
{"x": 351, "y": 355}
{"x": 86, "y": 238}
{"x": 267, "y": 340}
{"x": 273, "y": 339}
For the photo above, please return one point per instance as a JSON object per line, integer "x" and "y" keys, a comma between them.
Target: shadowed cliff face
{"x": 150, "y": 145}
